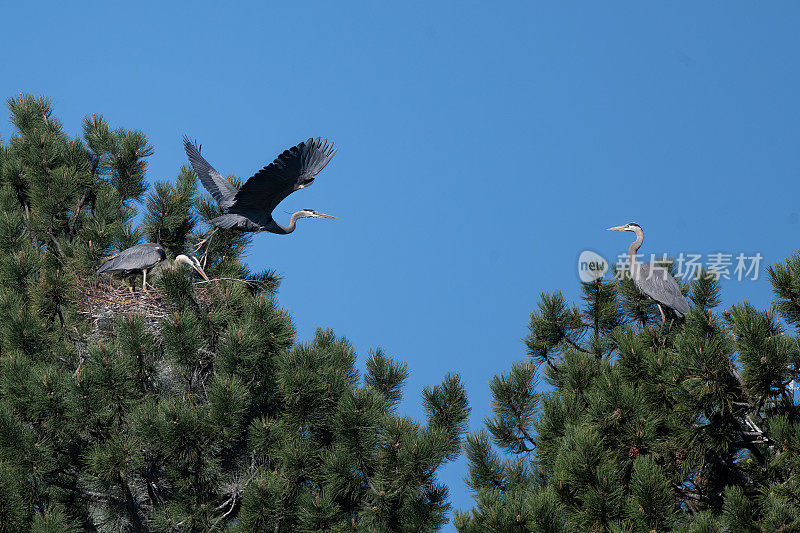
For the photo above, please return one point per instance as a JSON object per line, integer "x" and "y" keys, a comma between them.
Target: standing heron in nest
{"x": 651, "y": 279}
{"x": 250, "y": 207}
{"x": 144, "y": 257}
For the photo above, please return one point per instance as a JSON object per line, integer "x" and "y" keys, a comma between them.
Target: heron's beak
{"x": 199, "y": 269}
{"x": 616, "y": 228}
{"x": 323, "y": 215}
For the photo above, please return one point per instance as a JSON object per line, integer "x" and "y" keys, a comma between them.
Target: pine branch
{"x": 93, "y": 495}
{"x": 363, "y": 469}
{"x": 76, "y": 212}
{"x": 690, "y": 497}
{"x": 234, "y": 501}
{"x": 574, "y": 345}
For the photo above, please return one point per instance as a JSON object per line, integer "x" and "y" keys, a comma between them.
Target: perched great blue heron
{"x": 250, "y": 207}
{"x": 144, "y": 257}
{"x": 651, "y": 279}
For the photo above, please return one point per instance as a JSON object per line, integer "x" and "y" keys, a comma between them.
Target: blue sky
{"x": 483, "y": 146}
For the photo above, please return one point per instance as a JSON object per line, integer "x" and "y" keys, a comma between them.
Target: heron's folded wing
{"x": 292, "y": 170}
{"x": 134, "y": 258}
{"x": 221, "y": 189}
{"x": 657, "y": 283}
{"x": 106, "y": 265}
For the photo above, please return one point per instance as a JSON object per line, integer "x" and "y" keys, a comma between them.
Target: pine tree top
{"x": 190, "y": 406}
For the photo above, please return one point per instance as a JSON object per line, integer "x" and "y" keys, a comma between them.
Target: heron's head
{"x": 630, "y": 226}
{"x": 310, "y": 213}
{"x": 192, "y": 262}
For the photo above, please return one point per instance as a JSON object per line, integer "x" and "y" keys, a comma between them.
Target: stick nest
{"x": 102, "y": 302}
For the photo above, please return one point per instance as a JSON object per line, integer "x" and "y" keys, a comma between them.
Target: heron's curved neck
{"x": 292, "y": 224}
{"x": 635, "y": 245}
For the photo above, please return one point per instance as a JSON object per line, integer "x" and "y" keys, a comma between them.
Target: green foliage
{"x": 53, "y": 520}
{"x": 362, "y": 465}
{"x": 170, "y": 218}
{"x": 386, "y": 376}
{"x": 515, "y": 400}
{"x": 785, "y": 279}
{"x": 119, "y": 155}
{"x": 554, "y": 325}
{"x": 602, "y": 312}
{"x": 691, "y": 425}
{"x": 192, "y": 407}
{"x": 705, "y": 293}
{"x": 651, "y": 505}
{"x": 14, "y": 510}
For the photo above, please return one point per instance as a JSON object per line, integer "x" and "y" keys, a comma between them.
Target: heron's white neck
{"x": 292, "y": 223}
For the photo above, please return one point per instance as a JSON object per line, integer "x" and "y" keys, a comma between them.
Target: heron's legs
{"x": 204, "y": 241}
{"x": 144, "y": 280}
{"x": 660, "y": 310}
{"x": 207, "y": 243}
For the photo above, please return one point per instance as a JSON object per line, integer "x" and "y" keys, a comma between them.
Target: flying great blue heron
{"x": 144, "y": 257}
{"x": 250, "y": 207}
{"x": 651, "y": 279}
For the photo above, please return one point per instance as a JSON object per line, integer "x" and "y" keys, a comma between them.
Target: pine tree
{"x": 192, "y": 407}
{"x": 688, "y": 426}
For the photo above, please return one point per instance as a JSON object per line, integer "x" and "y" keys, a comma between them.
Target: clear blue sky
{"x": 483, "y": 146}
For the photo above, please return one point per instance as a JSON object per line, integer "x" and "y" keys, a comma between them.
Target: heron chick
{"x": 651, "y": 279}
{"x": 144, "y": 257}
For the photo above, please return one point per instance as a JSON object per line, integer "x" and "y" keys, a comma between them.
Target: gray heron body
{"x": 250, "y": 207}
{"x": 651, "y": 279}
{"x": 142, "y": 258}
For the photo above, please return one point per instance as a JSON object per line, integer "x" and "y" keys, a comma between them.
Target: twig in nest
{"x": 249, "y": 282}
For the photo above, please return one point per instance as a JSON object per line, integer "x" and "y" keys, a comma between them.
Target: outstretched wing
{"x": 294, "y": 169}
{"x": 134, "y": 258}
{"x": 657, "y": 283}
{"x": 220, "y": 188}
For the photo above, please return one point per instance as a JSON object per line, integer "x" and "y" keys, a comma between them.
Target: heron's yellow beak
{"x": 616, "y": 228}
{"x": 200, "y": 270}
{"x": 323, "y": 215}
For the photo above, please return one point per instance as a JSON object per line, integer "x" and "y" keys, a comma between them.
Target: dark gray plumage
{"x": 653, "y": 280}
{"x": 136, "y": 258}
{"x": 143, "y": 257}
{"x": 250, "y": 207}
